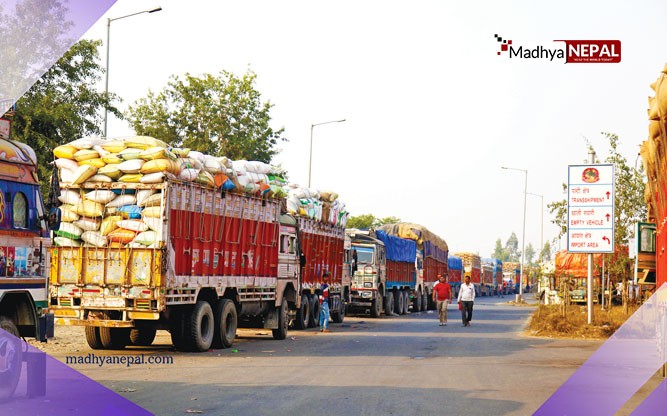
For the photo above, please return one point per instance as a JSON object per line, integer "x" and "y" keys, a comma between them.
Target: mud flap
{"x": 46, "y": 327}
{"x": 271, "y": 319}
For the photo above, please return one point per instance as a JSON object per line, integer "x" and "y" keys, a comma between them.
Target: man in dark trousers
{"x": 466, "y": 298}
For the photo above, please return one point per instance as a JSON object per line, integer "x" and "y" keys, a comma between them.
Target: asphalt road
{"x": 401, "y": 365}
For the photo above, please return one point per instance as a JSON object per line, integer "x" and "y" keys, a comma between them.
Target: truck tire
{"x": 406, "y": 302}
{"x": 339, "y": 315}
{"x": 424, "y": 306}
{"x": 226, "y": 322}
{"x": 283, "y": 322}
{"x": 177, "y": 328}
{"x": 303, "y": 314}
{"x": 114, "y": 338}
{"x": 11, "y": 357}
{"x": 315, "y": 310}
{"x": 389, "y": 304}
{"x": 376, "y": 307}
{"x": 200, "y": 327}
{"x": 93, "y": 337}
{"x": 417, "y": 302}
{"x": 399, "y": 305}
{"x": 142, "y": 337}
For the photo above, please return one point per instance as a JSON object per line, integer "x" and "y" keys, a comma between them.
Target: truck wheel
{"x": 93, "y": 337}
{"x": 424, "y": 306}
{"x": 339, "y": 315}
{"x": 406, "y": 302}
{"x": 114, "y": 338}
{"x": 10, "y": 358}
{"x": 177, "y": 328}
{"x": 226, "y": 322}
{"x": 417, "y": 302}
{"x": 315, "y": 309}
{"x": 200, "y": 327}
{"x": 389, "y": 304}
{"x": 303, "y": 314}
{"x": 283, "y": 322}
{"x": 399, "y": 305}
{"x": 142, "y": 337}
{"x": 376, "y": 307}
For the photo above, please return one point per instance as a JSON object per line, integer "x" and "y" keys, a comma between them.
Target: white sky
{"x": 432, "y": 112}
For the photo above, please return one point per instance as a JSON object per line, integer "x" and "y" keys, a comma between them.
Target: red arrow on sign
{"x": 606, "y": 239}
{"x": 607, "y": 217}
{"x": 608, "y": 193}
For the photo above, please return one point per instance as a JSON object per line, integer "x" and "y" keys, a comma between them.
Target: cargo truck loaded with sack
{"x": 159, "y": 238}
{"x": 23, "y": 261}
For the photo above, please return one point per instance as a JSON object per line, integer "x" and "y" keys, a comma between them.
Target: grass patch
{"x": 548, "y": 321}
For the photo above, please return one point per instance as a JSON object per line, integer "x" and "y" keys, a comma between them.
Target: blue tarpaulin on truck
{"x": 454, "y": 263}
{"x": 398, "y": 249}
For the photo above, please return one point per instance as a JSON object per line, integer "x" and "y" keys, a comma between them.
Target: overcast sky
{"x": 432, "y": 112}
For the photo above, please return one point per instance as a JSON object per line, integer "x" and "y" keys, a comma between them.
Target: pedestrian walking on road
{"x": 324, "y": 303}
{"x": 466, "y": 298}
{"x": 442, "y": 294}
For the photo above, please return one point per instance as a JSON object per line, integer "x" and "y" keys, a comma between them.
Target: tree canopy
{"x": 219, "y": 115}
{"x": 366, "y": 221}
{"x": 63, "y": 105}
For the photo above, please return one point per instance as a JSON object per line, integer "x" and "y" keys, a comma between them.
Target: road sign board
{"x": 590, "y": 209}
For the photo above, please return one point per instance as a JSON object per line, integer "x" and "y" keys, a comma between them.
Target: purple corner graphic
{"x": 33, "y": 383}
{"x": 34, "y": 34}
{"x": 623, "y": 364}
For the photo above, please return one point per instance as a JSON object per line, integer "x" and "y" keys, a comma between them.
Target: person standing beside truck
{"x": 442, "y": 294}
{"x": 324, "y": 303}
{"x": 466, "y": 298}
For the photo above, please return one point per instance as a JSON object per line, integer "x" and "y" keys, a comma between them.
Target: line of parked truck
{"x": 147, "y": 238}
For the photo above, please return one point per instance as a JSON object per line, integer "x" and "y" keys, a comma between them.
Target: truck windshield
{"x": 365, "y": 255}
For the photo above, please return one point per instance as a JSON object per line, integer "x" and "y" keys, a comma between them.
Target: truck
{"x": 488, "y": 276}
{"x": 472, "y": 266}
{"x": 23, "y": 261}
{"x": 432, "y": 253}
{"x": 402, "y": 277}
{"x": 369, "y": 273}
{"x": 181, "y": 248}
{"x": 454, "y": 273}
{"x": 511, "y": 277}
{"x": 498, "y": 276}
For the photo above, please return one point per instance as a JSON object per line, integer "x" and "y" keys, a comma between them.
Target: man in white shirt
{"x": 466, "y": 298}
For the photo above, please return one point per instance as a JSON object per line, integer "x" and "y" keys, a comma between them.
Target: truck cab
{"x": 368, "y": 279}
{"x": 23, "y": 260}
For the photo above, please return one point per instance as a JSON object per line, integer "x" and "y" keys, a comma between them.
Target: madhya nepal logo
{"x": 574, "y": 51}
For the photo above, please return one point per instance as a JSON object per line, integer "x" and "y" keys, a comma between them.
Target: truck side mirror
{"x": 53, "y": 218}
{"x": 302, "y": 260}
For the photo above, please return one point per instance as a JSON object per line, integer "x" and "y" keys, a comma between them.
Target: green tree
{"x": 512, "y": 248}
{"x": 366, "y": 221}
{"x": 63, "y": 105}
{"x": 220, "y": 115}
{"x": 499, "y": 251}
{"x": 545, "y": 254}
{"x": 530, "y": 254}
{"x": 363, "y": 221}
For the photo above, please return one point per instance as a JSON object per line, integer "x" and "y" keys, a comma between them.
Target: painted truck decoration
{"x": 23, "y": 257}
{"x": 154, "y": 237}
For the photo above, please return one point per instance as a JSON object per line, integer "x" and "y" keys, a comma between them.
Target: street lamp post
{"x": 106, "y": 78}
{"x": 310, "y": 158}
{"x": 523, "y": 233}
{"x": 541, "y": 223}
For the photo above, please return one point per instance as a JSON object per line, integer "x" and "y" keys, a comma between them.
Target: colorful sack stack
{"x": 98, "y": 213}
